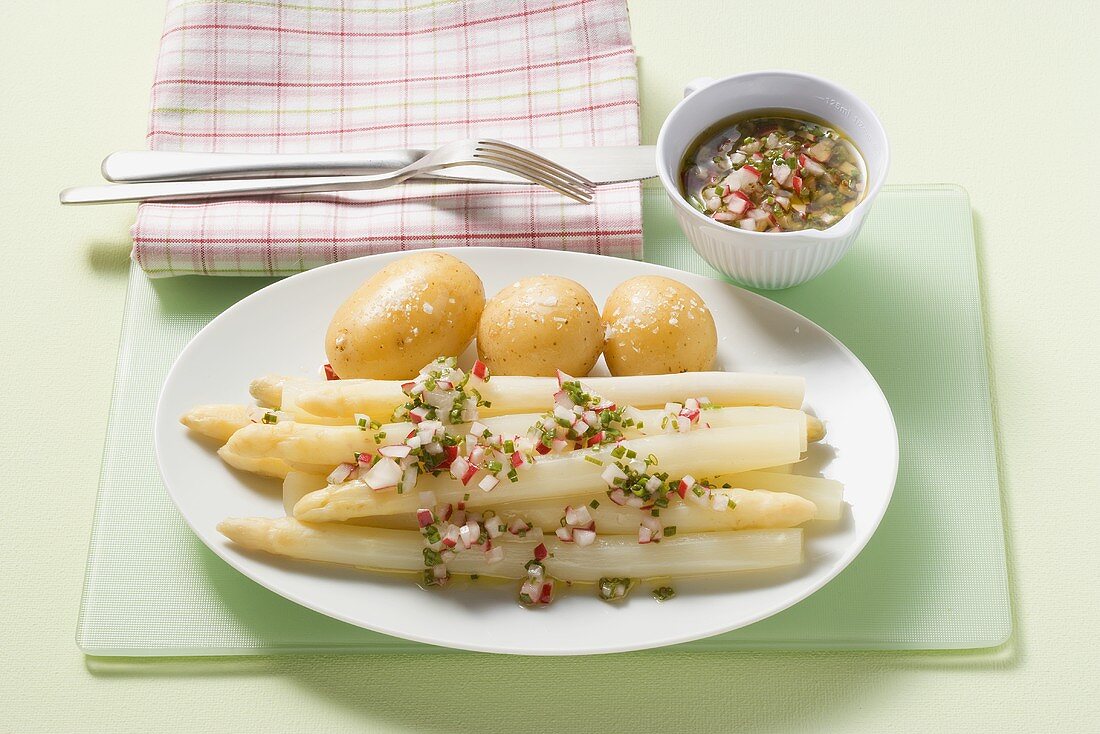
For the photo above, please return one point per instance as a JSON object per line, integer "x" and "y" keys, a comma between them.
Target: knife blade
{"x": 613, "y": 164}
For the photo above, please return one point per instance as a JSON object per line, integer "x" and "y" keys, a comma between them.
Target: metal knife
{"x": 599, "y": 165}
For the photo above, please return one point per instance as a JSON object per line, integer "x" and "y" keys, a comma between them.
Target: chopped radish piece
{"x": 480, "y": 370}
{"x": 341, "y": 473}
{"x": 613, "y": 474}
{"x": 821, "y": 151}
{"x": 494, "y": 526}
{"x": 577, "y": 515}
{"x": 398, "y": 451}
{"x": 383, "y": 475}
{"x": 686, "y": 485}
{"x": 810, "y": 166}
{"x": 451, "y": 537}
{"x": 496, "y": 555}
{"x": 469, "y": 534}
{"x": 565, "y": 535}
{"x": 546, "y": 594}
{"x": 408, "y": 476}
{"x": 781, "y": 172}
{"x": 563, "y": 378}
{"x": 488, "y": 482}
{"x": 330, "y": 374}
{"x": 725, "y": 216}
{"x": 418, "y": 414}
{"x": 462, "y": 470}
{"x": 540, "y": 552}
{"x": 796, "y": 185}
{"x": 424, "y": 517}
{"x": 749, "y": 224}
{"x": 584, "y": 537}
{"x": 645, "y": 535}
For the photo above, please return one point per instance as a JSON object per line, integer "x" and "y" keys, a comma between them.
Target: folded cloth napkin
{"x": 292, "y": 76}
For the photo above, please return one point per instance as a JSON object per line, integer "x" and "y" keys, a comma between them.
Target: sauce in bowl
{"x": 773, "y": 171}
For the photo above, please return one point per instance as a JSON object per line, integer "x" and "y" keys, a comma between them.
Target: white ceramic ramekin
{"x": 769, "y": 259}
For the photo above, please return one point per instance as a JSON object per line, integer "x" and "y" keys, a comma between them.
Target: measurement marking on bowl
{"x": 841, "y": 108}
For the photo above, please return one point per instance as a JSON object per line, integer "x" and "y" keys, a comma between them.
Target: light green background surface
{"x": 979, "y": 93}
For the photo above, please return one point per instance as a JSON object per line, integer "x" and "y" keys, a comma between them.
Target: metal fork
{"x": 478, "y": 152}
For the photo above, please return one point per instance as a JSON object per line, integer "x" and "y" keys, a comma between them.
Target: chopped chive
{"x": 664, "y": 593}
{"x": 669, "y": 531}
{"x": 593, "y": 460}
{"x": 594, "y": 504}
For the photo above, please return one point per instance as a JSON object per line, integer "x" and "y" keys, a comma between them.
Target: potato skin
{"x": 420, "y": 307}
{"x": 539, "y": 325}
{"x": 657, "y": 326}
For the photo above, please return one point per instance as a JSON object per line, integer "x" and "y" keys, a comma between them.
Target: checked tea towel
{"x": 341, "y": 75}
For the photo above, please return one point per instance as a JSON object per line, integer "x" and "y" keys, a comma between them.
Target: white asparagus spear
{"x": 700, "y": 453}
{"x": 510, "y": 394}
{"x": 380, "y": 549}
{"x": 695, "y": 554}
{"x": 283, "y": 392}
{"x": 267, "y": 466}
{"x": 826, "y": 494}
{"x": 268, "y": 390}
{"x": 217, "y": 421}
{"x": 756, "y": 509}
{"x": 332, "y": 445}
{"x": 374, "y": 549}
{"x": 270, "y": 466}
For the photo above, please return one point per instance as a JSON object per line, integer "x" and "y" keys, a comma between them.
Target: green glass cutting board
{"x": 905, "y": 300}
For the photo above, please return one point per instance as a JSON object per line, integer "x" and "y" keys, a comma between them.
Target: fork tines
{"x": 543, "y": 171}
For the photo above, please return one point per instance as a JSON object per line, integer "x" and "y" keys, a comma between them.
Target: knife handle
{"x": 158, "y": 165}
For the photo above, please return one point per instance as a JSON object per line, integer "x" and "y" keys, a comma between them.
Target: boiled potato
{"x": 657, "y": 326}
{"x": 539, "y": 325}
{"x": 420, "y": 307}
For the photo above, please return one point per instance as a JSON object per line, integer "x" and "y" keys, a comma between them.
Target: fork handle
{"x": 159, "y": 165}
{"x": 227, "y": 189}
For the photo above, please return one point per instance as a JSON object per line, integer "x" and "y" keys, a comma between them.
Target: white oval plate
{"x": 281, "y": 328}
